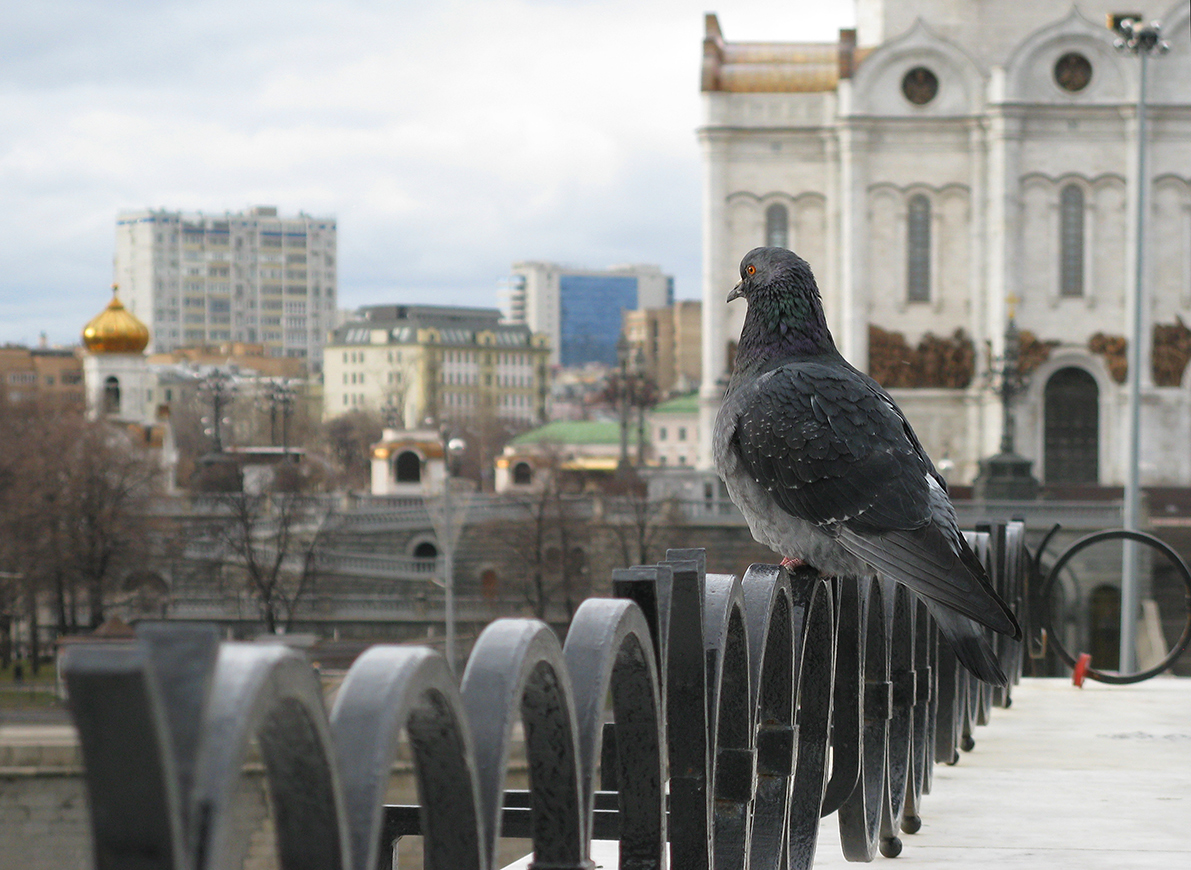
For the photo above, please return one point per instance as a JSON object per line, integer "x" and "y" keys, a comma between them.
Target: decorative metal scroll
{"x": 692, "y": 710}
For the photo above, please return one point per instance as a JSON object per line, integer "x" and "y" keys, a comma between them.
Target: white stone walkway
{"x": 1065, "y": 779}
{"x": 1097, "y": 778}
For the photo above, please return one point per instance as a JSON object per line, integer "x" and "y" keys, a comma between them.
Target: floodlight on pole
{"x": 1141, "y": 41}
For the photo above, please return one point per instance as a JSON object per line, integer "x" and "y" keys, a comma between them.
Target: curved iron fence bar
{"x": 813, "y": 617}
{"x": 1180, "y": 645}
{"x": 768, "y": 610}
{"x": 901, "y": 630}
{"x": 732, "y": 726}
{"x": 269, "y": 692}
{"x": 861, "y": 812}
{"x": 922, "y": 719}
{"x": 134, "y": 808}
{"x": 517, "y": 672}
{"x": 848, "y": 701}
{"x": 389, "y": 690}
{"x": 687, "y": 717}
{"x": 609, "y": 652}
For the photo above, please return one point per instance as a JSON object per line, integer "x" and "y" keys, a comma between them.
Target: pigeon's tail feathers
{"x": 971, "y": 642}
{"x": 924, "y": 560}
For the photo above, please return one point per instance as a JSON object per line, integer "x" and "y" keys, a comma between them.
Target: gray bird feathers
{"x": 826, "y": 469}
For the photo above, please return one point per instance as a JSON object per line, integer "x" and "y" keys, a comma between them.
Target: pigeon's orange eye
{"x": 752, "y": 270}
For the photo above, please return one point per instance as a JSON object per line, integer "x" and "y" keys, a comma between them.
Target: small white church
{"x": 119, "y": 384}
{"x": 948, "y": 161}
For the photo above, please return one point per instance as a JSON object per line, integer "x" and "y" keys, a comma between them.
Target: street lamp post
{"x": 622, "y": 357}
{"x": 218, "y": 385}
{"x": 452, "y": 451}
{"x": 639, "y": 397}
{"x": 1007, "y": 475}
{"x": 1142, "y": 42}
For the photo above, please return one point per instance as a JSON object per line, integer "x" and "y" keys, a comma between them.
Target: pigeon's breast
{"x": 780, "y": 531}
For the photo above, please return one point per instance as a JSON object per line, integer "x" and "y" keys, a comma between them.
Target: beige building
{"x": 670, "y": 341}
{"x": 943, "y": 162}
{"x": 30, "y": 373}
{"x": 253, "y": 276}
{"x": 414, "y": 363}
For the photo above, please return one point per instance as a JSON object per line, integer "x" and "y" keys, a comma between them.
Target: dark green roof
{"x": 578, "y": 432}
{"x": 688, "y": 404}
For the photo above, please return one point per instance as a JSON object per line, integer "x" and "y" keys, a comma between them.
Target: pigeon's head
{"x": 775, "y": 272}
{"x": 785, "y": 313}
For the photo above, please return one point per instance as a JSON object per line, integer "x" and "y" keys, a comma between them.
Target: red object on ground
{"x": 1081, "y": 669}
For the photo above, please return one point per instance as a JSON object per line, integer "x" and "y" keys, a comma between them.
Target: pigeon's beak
{"x": 737, "y": 292}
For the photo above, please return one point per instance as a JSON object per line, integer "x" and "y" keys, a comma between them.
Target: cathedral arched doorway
{"x": 1071, "y": 440}
{"x": 407, "y": 467}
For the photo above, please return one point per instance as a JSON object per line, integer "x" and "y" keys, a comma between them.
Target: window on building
{"x": 522, "y": 474}
{"x": 111, "y": 395}
{"x": 918, "y": 249}
{"x": 1071, "y": 214}
{"x": 776, "y": 227}
{"x": 682, "y": 433}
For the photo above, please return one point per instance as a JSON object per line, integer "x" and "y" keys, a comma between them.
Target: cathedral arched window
{"x": 1071, "y": 216}
{"x": 918, "y": 249}
{"x": 777, "y": 233}
{"x": 111, "y": 395}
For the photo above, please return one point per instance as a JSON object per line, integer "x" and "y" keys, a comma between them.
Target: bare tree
{"x": 74, "y": 498}
{"x": 544, "y": 536}
{"x": 636, "y": 521}
{"x": 272, "y": 541}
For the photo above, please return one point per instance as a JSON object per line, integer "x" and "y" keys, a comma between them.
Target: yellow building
{"x": 417, "y": 363}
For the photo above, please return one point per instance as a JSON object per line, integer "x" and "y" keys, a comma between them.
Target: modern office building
{"x": 417, "y": 363}
{"x": 943, "y": 165}
{"x": 254, "y": 276}
{"x": 580, "y": 309}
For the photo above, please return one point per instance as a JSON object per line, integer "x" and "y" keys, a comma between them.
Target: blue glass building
{"x": 590, "y": 309}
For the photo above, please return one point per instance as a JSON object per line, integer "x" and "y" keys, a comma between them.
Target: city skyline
{"x": 448, "y": 142}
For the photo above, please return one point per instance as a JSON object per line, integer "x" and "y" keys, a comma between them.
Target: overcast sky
{"x": 449, "y": 139}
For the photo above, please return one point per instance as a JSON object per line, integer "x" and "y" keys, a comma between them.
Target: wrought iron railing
{"x": 723, "y": 715}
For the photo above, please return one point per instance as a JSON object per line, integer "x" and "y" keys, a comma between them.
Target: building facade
{"x": 413, "y": 363}
{"x": 580, "y": 310}
{"x": 52, "y": 373}
{"x": 253, "y": 276}
{"x": 944, "y": 162}
{"x": 669, "y": 341}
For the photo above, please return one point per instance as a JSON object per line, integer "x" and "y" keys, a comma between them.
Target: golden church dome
{"x": 115, "y": 330}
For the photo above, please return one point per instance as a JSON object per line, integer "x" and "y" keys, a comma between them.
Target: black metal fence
{"x": 722, "y": 715}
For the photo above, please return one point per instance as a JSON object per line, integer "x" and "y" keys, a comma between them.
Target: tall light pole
{"x": 622, "y": 358}
{"x": 1142, "y": 42}
{"x": 452, "y": 451}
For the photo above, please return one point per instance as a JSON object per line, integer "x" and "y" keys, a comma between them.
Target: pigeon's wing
{"x": 833, "y": 449}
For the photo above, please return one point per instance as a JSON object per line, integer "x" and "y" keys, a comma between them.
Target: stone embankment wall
{"x": 44, "y": 822}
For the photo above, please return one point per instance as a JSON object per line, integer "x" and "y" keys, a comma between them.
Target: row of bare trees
{"x": 559, "y": 538}
{"x": 73, "y": 517}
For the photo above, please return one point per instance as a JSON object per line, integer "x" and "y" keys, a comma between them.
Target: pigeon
{"x": 829, "y": 473}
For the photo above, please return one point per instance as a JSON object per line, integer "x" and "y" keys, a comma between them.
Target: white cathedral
{"x": 944, "y": 164}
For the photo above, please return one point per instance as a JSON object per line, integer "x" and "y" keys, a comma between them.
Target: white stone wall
{"x": 991, "y": 153}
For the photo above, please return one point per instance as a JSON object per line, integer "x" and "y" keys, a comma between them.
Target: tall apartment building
{"x": 413, "y": 363}
{"x": 254, "y": 276}
{"x": 580, "y": 309}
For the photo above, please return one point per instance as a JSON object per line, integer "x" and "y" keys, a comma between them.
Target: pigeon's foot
{"x": 791, "y": 564}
